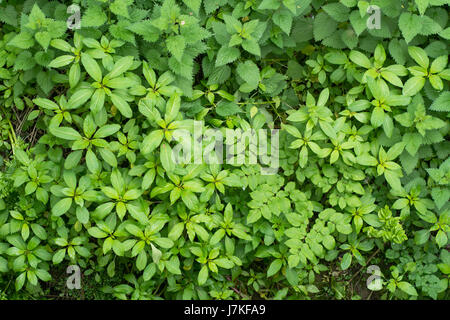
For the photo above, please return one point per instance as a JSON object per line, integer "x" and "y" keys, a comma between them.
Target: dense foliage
{"x": 86, "y": 124}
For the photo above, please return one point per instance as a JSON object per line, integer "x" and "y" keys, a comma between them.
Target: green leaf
{"x": 61, "y": 207}
{"x": 92, "y": 162}
{"x": 420, "y": 56}
{"x": 66, "y": 133}
{"x": 193, "y": 4}
{"x": 328, "y": 129}
{"x": 46, "y": 104}
{"x": 91, "y": 67}
{"x": 106, "y": 131}
{"x": 224, "y": 263}
{"x": 393, "y": 179}
{"x": 269, "y": 5}
{"x": 441, "y": 239}
{"x": 292, "y": 277}
{"x": 74, "y": 74}
{"x": 80, "y": 97}
{"x": 337, "y": 11}
{"x": 141, "y": 261}
{"x": 217, "y": 236}
{"x": 20, "y": 281}
{"x": 97, "y": 100}
{"x": 121, "y": 105}
{"x": 421, "y": 236}
{"x": 252, "y": 46}
{"x": 412, "y": 142}
{"x": 94, "y": 16}
{"x": 61, "y": 45}
{"x": 439, "y": 64}
{"x": 422, "y": 5}
{"x": 227, "y": 108}
{"x": 152, "y": 141}
{"x": 227, "y": 55}
{"x": 59, "y": 256}
{"x": 202, "y": 275}
{"x": 324, "y": 26}
{"x": 122, "y": 65}
{"x": 329, "y": 242}
{"x": 360, "y": 59}
{"x": 249, "y": 72}
{"x": 440, "y": 196}
{"x": 413, "y": 86}
{"x": 283, "y": 19}
{"x": 377, "y": 117}
{"x": 120, "y": 8}
{"x": 346, "y": 261}
{"x": 410, "y": 25}
{"x": 61, "y": 61}
{"x": 166, "y": 155}
{"x": 358, "y": 23}
{"x": 407, "y": 287}
{"x": 172, "y": 108}
{"x": 82, "y": 215}
{"x": 23, "y": 40}
{"x": 429, "y": 26}
{"x": 274, "y": 267}
{"x": 445, "y": 33}
{"x": 43, "y": 38}
{"x": 395, "y": 151}
{"x": 176, "y": 46}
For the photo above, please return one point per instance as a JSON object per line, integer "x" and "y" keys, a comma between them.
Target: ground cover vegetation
{"x": 92, "y": 91}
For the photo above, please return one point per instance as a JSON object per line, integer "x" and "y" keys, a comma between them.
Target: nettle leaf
{"x": 193, "y": 4}
{"x": 227, "y": 55}
{"x": 120, "y": 7}
{"x": 410, "y": 25}
{"x": 249, "y": 72}
{"x": 43, "y": 38}
{"x": 227, "y": 108}
{"x": 422, "y": 5}
{"x": 283, "y": 19}
{"x": 94, "y": 16}
{"x": 337, "y": 11}
{"x": 429, "y": 26}
{"x": 176, "y": 45}
{"x": 442, "y": 103}
{"x": 269, "y": 5}
{"x": 398, "y": 51}
{"x": 445, "y": 33}
{"x": 9, "y": 15}
{"x": 23, "y": 40}
{"x": 324, "y": 26}
{"x": 358, "y": 23}
{"x": 66, "y": 133}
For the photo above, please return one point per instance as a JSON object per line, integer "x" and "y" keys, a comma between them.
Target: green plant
{"x": 90, "y": 118}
